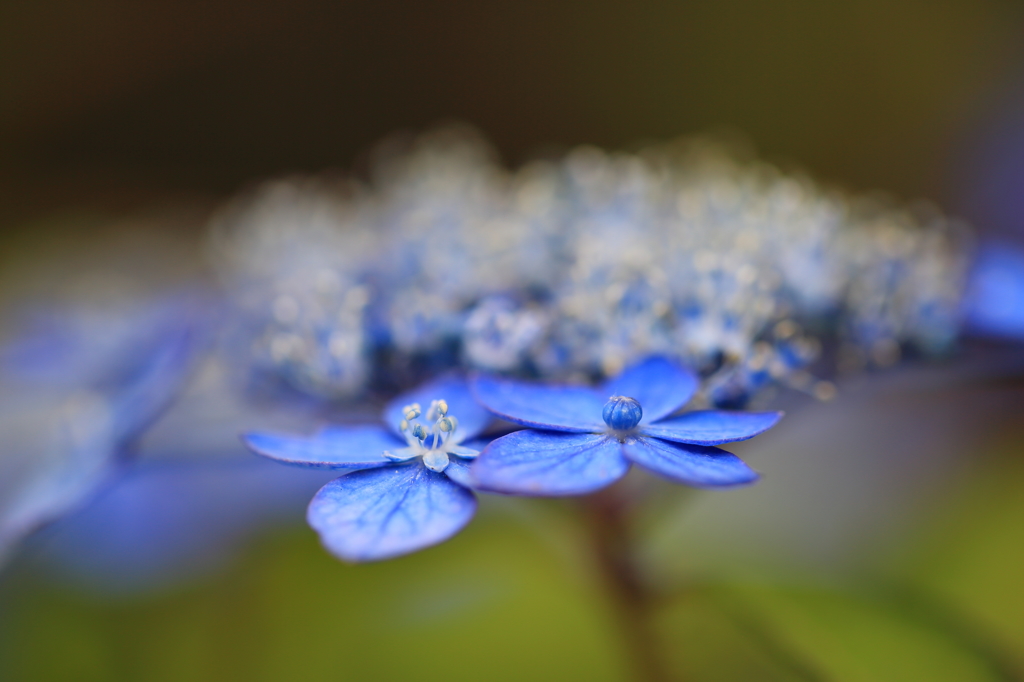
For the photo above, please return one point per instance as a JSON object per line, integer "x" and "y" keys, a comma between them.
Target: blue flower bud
{"x": 622, "y": 413}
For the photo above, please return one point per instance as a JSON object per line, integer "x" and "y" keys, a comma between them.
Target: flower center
{"x": 432, "y": 443}
{"x": 622, "y": 413}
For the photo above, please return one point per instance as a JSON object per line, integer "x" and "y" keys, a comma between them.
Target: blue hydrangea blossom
{"x": 162, "y": 523}
{"x": 582, "y": 440}
{"x": 406, "y": 487}
{"x": 191, "y": 499}
{"x": 77, "y": 388}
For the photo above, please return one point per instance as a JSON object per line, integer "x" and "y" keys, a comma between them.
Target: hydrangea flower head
{"x": 581, "y": 440}
{"x": 577, "y": 267}
{"x": 409, "y": 486}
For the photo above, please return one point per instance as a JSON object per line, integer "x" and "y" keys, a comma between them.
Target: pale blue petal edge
{"x": 385, "y": 513}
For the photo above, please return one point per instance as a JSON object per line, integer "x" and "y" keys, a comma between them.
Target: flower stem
{"x": 607, "y": 514}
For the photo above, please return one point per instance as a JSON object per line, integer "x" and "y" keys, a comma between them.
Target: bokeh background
{"x": 887, "y": 541}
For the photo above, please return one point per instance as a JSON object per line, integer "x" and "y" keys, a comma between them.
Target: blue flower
{"x": 581, "y": 440}
{"x": 164, "y": 523}
{"x": 410, "y": 486}
{"x": 190, "y": 501}
{"x": 993, "y": 304}
{"x": 76, "y": 390}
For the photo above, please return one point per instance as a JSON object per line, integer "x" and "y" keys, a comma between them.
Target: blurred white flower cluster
{"x": 569, "y": 269}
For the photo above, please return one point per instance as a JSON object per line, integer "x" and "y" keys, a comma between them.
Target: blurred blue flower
{"x": 581, "y": 440}
{"x": 993, "y": 303}
{"x": 410, "y": 486}
{"x": 189, "y": 500}
{"x": 77, "y": 388}
{"x": 161, "y": 523}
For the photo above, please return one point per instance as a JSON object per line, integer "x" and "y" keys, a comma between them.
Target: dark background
{"x": 113, "y": 105}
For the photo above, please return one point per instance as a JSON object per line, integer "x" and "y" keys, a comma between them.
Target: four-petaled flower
{"x": 410, "y": 486}
{"x": 581, "y": 440}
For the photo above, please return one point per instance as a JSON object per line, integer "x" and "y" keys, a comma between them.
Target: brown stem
{"x": 607, "y": 516}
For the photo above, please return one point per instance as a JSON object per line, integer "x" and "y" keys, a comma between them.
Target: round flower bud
{"x": 622, "y": 413}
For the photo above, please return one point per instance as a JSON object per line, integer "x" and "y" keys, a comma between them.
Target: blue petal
{"x": 99, "y": 347}
{"x": 546, "y": 463}
{"x": 696, "y": 465}
{"x": 658, "y": 384}
{"x": 993, "y": 302}
{"x": 384, "y": 513}
{"x": 72, "y": 394}
{"x": 348, "y": 448}
{"x": 557, "y": 408}
{"x": 458, "y": 470}
{"x": 160, "y": 524}
{"x": 459, "y": 467}
{"x": 155, "y": 384}
{"x": 55, "y": 454}
{"x": 712, "y": 427}
{"x": 454, "y": 389}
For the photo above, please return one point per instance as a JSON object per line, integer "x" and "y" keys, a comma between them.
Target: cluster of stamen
{"x": 431, "y": 441}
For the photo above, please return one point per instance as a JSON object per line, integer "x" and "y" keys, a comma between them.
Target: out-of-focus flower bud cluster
{"x": 573, "y": 268}
{"x": 295, "y": 257}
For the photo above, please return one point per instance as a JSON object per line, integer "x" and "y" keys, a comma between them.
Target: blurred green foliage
{"x": 491, "y": 604}
{"x": 971, "y": 557}
{"x": 512, "y": 598}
